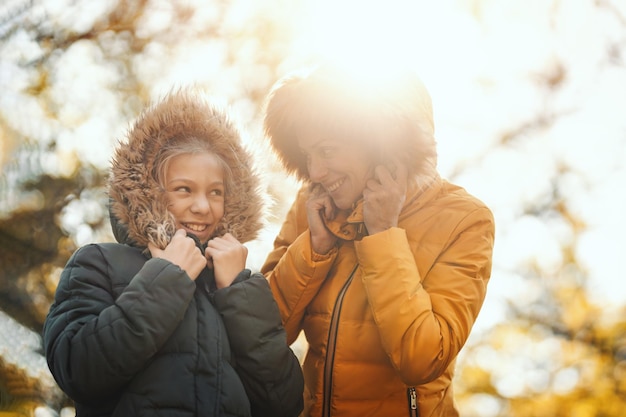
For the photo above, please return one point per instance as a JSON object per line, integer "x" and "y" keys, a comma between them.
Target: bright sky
{"x": 486, "y": 64}
{"x": 484, "y": 73}
{"x": 483, "y": 62}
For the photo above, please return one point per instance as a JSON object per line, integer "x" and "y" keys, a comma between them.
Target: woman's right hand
{"x": 182, "y": 251}
{"x": 320, "y": 205}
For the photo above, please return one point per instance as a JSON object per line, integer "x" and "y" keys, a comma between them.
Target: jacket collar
{"x": 351, "y": 226}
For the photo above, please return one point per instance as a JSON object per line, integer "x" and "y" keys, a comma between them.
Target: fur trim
{"x": 137, "y": 201}
{"x": 393, "y": 118}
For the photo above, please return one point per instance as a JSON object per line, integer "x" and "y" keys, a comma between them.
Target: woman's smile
{"x": 339, "y": 165}
{"x": 334, "y": 186}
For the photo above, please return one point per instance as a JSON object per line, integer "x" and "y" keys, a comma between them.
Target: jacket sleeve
{"x": 268, "y": 368}
{"x": 94, "y": 343}
{"x": 424, "y": 322}
{"x": 294, "y": 272}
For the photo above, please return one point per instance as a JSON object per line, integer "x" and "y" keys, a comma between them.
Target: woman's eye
{"x": 323, "y": 152}
{"x": 327, "y": 152}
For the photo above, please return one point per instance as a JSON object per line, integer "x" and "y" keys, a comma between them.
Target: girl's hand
{"x": 181, "y": 251}
{"x": 227, "y": 256}
{"x": 319, "y": 205}
{"x": 384, "y": 197}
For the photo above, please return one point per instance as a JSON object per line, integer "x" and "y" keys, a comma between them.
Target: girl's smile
{"x": 195, "y": 189}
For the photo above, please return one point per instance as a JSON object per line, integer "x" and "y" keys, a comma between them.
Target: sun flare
{"x": 360, "y": 34}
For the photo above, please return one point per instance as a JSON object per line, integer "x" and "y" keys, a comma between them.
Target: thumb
{"x": 329, "y": 209}
{"x": 154, "y": 250}
{"x": 401, "y": 174}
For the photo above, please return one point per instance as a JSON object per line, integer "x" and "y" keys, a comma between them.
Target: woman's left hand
{"x": 384, "y": 196}
{"x": 228, "y": 257}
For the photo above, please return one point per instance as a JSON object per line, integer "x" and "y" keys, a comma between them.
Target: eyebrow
{"x": 320, "y": 143}
{"x": 191, "y": 181}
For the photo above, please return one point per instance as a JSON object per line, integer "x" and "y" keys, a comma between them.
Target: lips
{"x": 198, "y": 228}
{"x": 334, "y": 186}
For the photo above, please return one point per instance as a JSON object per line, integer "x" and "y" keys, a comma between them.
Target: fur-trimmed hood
{"x": 137, "y": 202}
{"x": 391, "y": 116}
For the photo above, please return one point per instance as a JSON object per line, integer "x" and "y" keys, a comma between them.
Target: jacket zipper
{"x": 412, "y": 396}
{"x": 330, "y": 347}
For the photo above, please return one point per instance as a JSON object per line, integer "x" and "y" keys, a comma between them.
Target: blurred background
{"x": 530, "y": 112}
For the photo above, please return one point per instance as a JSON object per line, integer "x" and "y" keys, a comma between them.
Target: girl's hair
{"x": 184, "y": 146}
{"x": 182, "y": 122}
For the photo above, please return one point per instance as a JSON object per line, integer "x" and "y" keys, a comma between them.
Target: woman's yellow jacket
{"x": 386, "y": 312}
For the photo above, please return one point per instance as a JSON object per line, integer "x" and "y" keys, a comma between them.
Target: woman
{"x": 168, "y": 322}
{"x": 383, "y": 264}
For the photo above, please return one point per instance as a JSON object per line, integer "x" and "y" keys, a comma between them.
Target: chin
{"x": 204, "y": 238}
{"x": 344, "y": 204}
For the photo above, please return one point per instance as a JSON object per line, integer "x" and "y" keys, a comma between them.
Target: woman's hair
{"x": 391, "y": 118}
{"x": 185, "y": 146}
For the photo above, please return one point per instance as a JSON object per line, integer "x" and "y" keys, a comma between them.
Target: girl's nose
{"x": 200, "y": 205}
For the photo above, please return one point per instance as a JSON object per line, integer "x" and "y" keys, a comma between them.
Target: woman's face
{"x": 194, "y": 184}
{"x": 340, "y": 167}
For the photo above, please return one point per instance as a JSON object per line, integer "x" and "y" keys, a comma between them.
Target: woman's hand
{"x": 227, "y": 256}
{"x": 181, "y": 251}
{"x": 319, "y": 205}
{"x": 383, "y": 198}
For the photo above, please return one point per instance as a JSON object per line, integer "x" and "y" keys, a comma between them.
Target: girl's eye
{"x": 217, "y": 192}
{"x": 182, "y": 189}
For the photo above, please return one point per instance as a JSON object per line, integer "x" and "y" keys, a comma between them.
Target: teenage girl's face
{"x": 339, "y": 166}
{"x": 194, "y": 184}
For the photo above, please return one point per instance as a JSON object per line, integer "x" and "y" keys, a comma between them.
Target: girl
{"x": 168, "y": 322}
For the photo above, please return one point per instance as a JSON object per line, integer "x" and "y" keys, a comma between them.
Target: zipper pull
{"x": 412, "y": 394}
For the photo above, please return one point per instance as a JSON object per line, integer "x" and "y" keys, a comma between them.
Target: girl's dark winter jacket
{"x": 132, "y": 336}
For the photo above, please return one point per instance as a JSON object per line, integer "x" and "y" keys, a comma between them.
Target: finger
{"x": 388, "y": 178}
{"x": 219, "y": 243}
{"x": 329, "y": 209}
{"x": 226, "y": 246}
{"x": 372, "y": 185}
{"x": 154, "y": 250}
{"x": 402, "y": 174}
{"x": 180, "y": 233}
{"x": 383, "y": 175}
{"x": 229, "y": 237}
{"x": 316, "y": 190}
{"x": 209, "y": 258}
